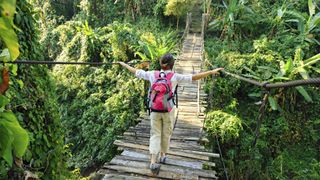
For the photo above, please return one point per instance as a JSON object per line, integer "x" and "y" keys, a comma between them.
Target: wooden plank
{"x": 166, "y": 167}
{"x": 146, "y": 139}
{"x": 108, "y": 174}
{"x": 146, "y": 171}
{"x": 173, "y": 144}
{"x": 144, "y": 135}
{"x": 127, "y": 161}
{"x": 174, "y": 137}
{"x": 185, "y": 128}
{"x": 171, "y": 160}
{"x": 119, "y": 176}
{"x": 176, "y": 171}
{"x": 188, "y": 154}
{"x": 181, "y": 123}
{"x": 182, "y": 139}
{"x": 147, "y": 153}
{"x": 177, "y": 130}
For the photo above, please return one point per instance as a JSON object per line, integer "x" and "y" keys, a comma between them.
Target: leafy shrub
{"x": 227, "y": 126}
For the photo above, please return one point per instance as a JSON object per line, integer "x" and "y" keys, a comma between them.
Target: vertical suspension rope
{"x": 221, "y": 158}
{"x": 260, "y": 117}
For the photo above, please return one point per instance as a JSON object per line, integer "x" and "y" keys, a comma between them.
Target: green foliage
{"x": 159, "y": 8}
{"x": 98, "y": 102}
{"x": 226, "y": 125}
{"x": 31, "y": 96}
{"x": 276, "y": 51}
{"x": 7, "y": 33}
{"x": 35, "y": 105}
{"x": 305, "y": 25}
{"x": 151, "y": 47}
{"x": 14, "y": 138}
{"x": 122, "y": 37}
{"x": 239, "y": 19}
{"x": 288, "y": 163}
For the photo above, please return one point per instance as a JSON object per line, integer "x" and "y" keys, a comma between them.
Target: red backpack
{"x": 160, "y": 94}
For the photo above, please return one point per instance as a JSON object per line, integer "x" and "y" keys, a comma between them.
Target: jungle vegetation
{"x": 59, "y": 122}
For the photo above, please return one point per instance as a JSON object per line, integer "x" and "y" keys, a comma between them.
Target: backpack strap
{"x": 169, "y": 76}
{"x": 156, "y": 74}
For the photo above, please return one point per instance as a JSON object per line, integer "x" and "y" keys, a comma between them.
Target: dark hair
{"x": 167, "y": 60}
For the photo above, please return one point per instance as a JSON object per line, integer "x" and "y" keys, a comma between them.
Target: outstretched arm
{"x": 131, "y": 69}
{"x": 205, "y": 74}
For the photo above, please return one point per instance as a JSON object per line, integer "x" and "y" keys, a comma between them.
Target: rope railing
{"x": 58, "y": 62}
{"x": 34, "y": 62}
{"x": 187, "y": 28}
{"x": 268, "y": 85}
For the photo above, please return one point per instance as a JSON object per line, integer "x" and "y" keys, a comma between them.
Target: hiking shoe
{"x": 155, "y": 168}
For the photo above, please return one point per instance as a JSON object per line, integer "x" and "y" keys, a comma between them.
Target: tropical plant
{"x": 14, "y": 139}
{"x": 7, "y": 34}
{"x": 239, "y": 18}
{"x": 32, "y": 101}
{"x": 306, "y": 26}
{"x": 151, "y": 47}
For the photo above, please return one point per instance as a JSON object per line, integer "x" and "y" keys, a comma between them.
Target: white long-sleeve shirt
{"x": 176, "y": 78}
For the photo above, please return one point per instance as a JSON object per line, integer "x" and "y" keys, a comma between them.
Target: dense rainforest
{"x": 60, "y": 121}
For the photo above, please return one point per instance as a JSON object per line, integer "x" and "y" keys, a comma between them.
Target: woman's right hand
{"x": 216, "y": 71}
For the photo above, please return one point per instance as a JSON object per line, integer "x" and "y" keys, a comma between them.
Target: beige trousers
{"x": 161, "y": 131}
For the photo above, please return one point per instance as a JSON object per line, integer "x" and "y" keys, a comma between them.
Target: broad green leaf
{"x": 288, "y": 66}
{"x": 9, "y": 37}
{"x": 297, "y": 56}
{"x": 273, "y": 103}
{"x": 266, "y": 74}
{"x": 314, "y": 59}
{"x": 303, "y": 73}
{"x": 268, "y": 68}
{"x": 14, "y": 69}
{"x": 3, "y": 101}
{"x": 5, "y": 55}
{"x": 280, "y": 13}
{"x": 297, "y": 15}
{"x": 250, "y": 71}
{"x": 8, "y": 8}
{"x": 142, "y": 56}
{"x": 21, "y": 84}
{"x": 282, "y": 68}
{"x": 20, "y": 136}
{"x": 151, "y": 52}
{"x": 9, "y": 117}
{"x": 255, "y": 94}
{"x": 314, "y": 22}
{"x": 252, "y": 76}
{"x": 6, "y": 144}
{"x": 292, "y": 20}
{"x": 316, "y": 69}
{"x": 20, "y": 142}
{"x": 304, "y": 93}
{"x": 312, "y": 8}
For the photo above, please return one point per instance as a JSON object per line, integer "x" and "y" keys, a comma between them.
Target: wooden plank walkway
{"x": 186, "y": 157}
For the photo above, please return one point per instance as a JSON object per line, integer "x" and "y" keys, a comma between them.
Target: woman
{"x": 162, "y": 122}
